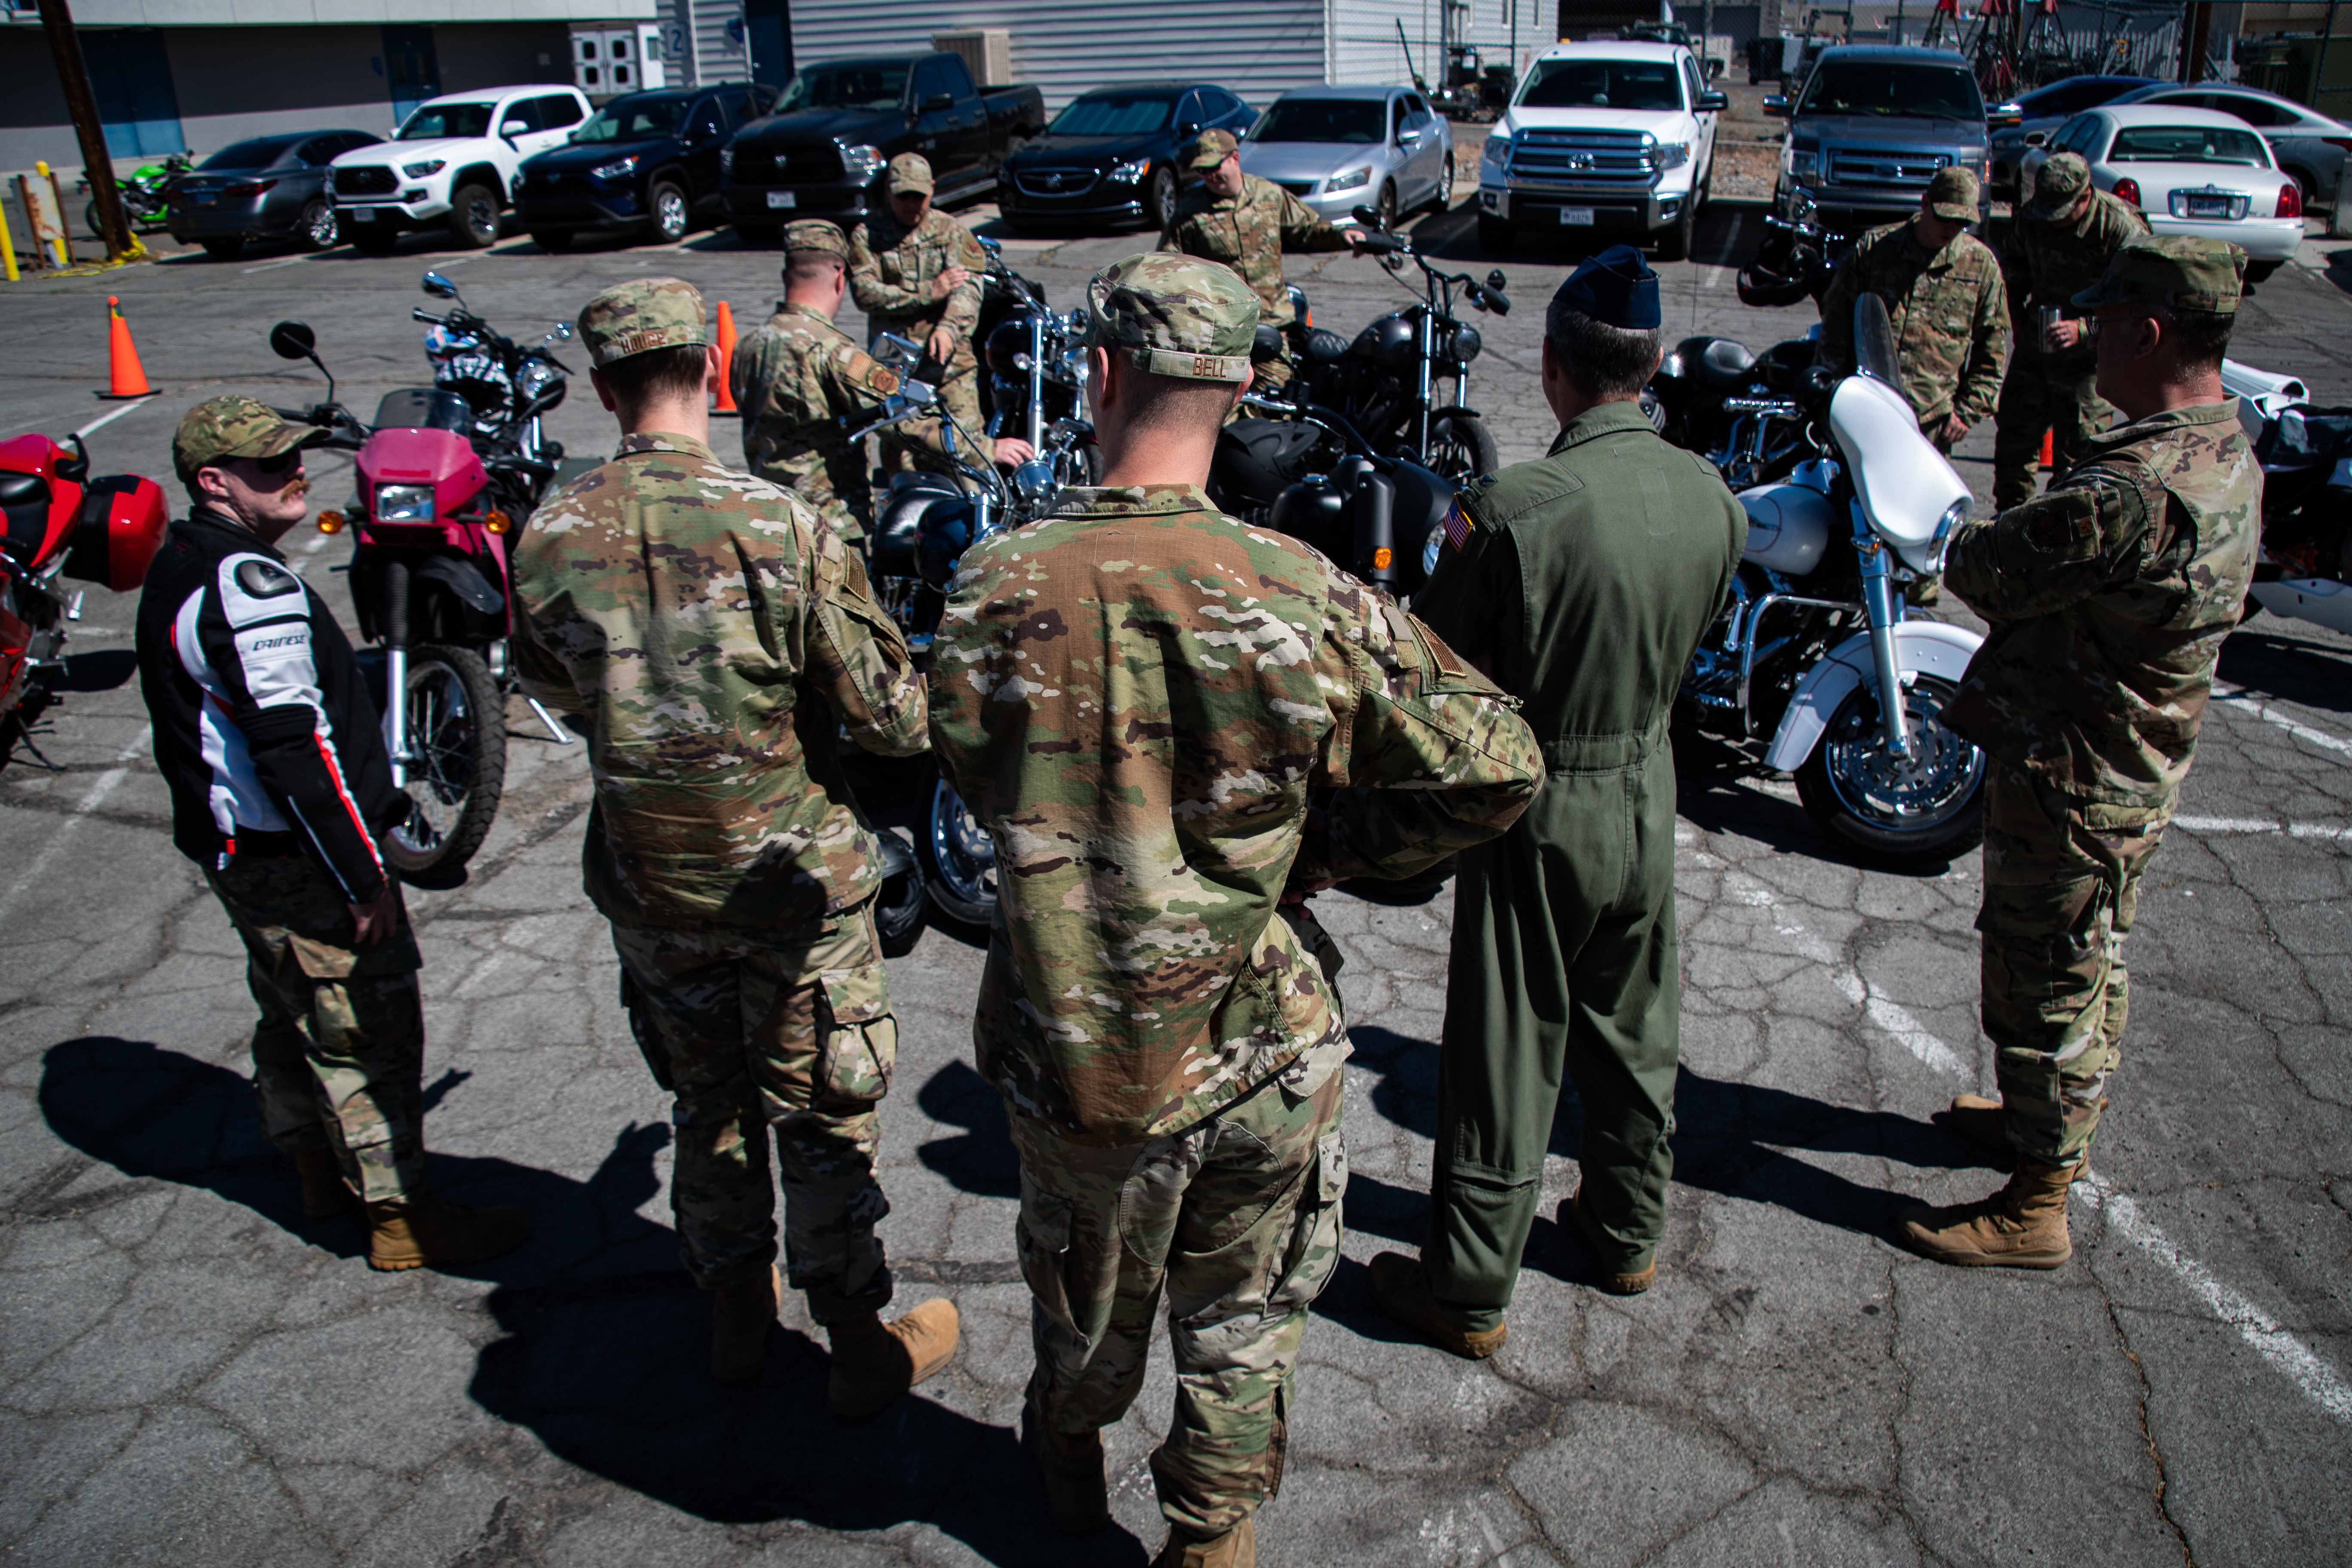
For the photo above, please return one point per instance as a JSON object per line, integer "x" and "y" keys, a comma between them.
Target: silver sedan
{"x": 1339, "y": 148}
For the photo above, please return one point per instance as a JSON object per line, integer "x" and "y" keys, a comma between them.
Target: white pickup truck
{"x": 1609, "y": 138}
{"x": 452, "y": 161}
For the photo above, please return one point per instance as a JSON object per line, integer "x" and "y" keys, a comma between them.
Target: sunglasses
{"x": 291, "y": 458}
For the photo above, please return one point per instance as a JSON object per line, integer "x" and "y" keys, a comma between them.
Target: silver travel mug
{"x": 2051, "y": 316}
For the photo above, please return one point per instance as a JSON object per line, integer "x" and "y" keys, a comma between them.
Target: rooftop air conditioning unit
{"x": 987, "y": 53}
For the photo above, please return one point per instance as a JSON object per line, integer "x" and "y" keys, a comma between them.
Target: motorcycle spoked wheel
{"x": 457, "y": 733}
{"x": 1893, "y": 811}
{"x": 1461, "y": 448}
{"x": 958, "y": 859}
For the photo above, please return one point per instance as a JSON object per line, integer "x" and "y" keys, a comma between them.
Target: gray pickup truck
{"x": 1869, "y": 128}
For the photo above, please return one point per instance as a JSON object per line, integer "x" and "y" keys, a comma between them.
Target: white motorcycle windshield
{"x": 1905, "y": 484}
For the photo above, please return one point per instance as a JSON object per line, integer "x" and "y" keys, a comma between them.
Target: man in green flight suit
{"x": 2108, "y": 598}
{"x": 1582, "y": 582}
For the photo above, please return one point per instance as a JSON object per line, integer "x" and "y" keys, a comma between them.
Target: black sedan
{"x": 271, "y": 187}
{"x": 1111, "y": 154}
{"x": 646, "y": 161}
{"x": 2046, "y": 108}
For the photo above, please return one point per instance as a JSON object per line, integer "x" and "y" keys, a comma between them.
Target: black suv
{"x": 646, "y": 161}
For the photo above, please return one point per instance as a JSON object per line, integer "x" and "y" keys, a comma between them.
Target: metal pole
{"x": 73, "y": 77}
{"x": 2319, "y": 66}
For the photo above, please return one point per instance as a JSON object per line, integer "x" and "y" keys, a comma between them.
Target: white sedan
{"x": 2189, "y": 171}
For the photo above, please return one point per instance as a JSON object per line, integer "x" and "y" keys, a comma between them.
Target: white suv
{"x": 453, "y": 161}
{"x": 1606, "y": 138}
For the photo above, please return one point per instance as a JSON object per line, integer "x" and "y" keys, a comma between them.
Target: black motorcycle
{"x": 1794, "y": 261}
{"x": 1742, "y": 411}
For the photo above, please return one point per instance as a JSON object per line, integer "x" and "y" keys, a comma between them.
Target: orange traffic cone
{"x": 726, "y": 403}
{"x": 2049, "y": 449}
{"x": 123, "y": 375}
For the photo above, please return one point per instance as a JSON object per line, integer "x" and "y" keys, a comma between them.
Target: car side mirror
{"x": 511, "y": 129}
{"x": 2037, "y": 138}
{"x": 1776, "y": 106}
{"x": 1188, "y": 128}
{"x": 1713, "y": 103}
{"x": 2005, "y": 114}
{"x": 293, "y": 340}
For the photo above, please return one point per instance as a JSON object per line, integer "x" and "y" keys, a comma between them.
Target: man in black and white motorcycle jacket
{"x": 280, "y": 787}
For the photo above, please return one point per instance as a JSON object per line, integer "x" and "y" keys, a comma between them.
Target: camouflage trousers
{"x": 2052, "y": 396}
{"x": 339, "y": 1053}
{"x": 791, "y": 1030}
{"x": 2062, "y": 884}
{"x": 1237, "y": 1221}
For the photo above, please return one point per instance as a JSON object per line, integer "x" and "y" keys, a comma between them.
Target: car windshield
{"x": 1603, "y": 84}
{"x": 639, "y": 121}
{"x": 438, "y": 120}
{"x": 1893, "y": 89}
{"x": 846, "y": 84}
{"x": 2187, "y": 144}
{"x": 1114, "y": 115}
{"x": 1353, "y": 120}
{"x": 257, "y": 153}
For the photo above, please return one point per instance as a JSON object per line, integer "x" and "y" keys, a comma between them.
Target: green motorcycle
{"x": 144, "y": 196}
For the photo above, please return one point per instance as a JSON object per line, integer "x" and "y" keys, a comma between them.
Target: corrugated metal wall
{"x": 1256, "y": 48}
{"x": 713, "y": 31}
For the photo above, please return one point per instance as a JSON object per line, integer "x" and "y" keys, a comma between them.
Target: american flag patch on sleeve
{"x": 1457, "y": 526}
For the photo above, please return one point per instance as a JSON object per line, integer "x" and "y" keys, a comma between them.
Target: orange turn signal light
{"x": 1381, "y": 557}
{"x": 497, "y": 521}
{"x": 330, "y": 522}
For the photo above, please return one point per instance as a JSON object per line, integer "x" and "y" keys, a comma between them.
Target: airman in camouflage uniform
{"x": 1245, "y": 223}
{"x": 1139, "y": 698}
{"x": 2108, "y": 598}
{"x": 798, "y": 377}
{"x": 916, "y": 271}
{"x": 1942, "y": 289}
{"x": 2059, "y": 246}
{"x": 715, "y": 639}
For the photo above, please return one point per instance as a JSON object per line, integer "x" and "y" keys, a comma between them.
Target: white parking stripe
{"x": 2301, "y": 731}
{"x": 2262, "y": 825}
{"x": 106, "y": 784}
{"x": 1730, "y": 242}
{"x": 281, "y": 261}
{"x": 111, "y": 414}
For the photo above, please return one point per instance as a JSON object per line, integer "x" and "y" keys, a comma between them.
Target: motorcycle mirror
{"x": 440, "y": 288}
{"x": 1496, "y": 282}
{"x": 1069, "y": 432}
{"x": 293, "y": 340}
{"x": 1367, "y": 215}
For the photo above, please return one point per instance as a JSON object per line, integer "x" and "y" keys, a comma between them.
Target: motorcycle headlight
{"x": 1035, "y": 479}
{"x": 404, "y": 503}
{"x": 616, "y": 168}
{"x": 1496, "y": 151}
{"x": 1429, "y": 551}
{"x": 537, "y": 376}
{"x": 1956, "y": 517}
{"x": 1128, "y": 172}
{"x": 430, "y": 166}
{"x": 1350, "y": 179}
{"x": 861, "y": 163}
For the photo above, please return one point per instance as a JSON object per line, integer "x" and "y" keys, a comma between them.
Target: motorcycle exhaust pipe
{"x": 1374, "y": 508}
{"x": 396, "y": 670}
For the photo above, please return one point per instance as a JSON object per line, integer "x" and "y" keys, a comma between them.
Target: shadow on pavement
{"x": 979, "y": 1161}
{"x": 2268, "y": 655}
{"x": 603, "y": 1340}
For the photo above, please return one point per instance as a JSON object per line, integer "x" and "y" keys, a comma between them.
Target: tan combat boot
{"x": 2024, "y": 1226}
{"x": 1616, "y": 1281}
{"x": 323, "y": 1193}
{"x": 875, "y": 1361}
{"x": 741, "y": 1313}
{"x": 426, "y": 1231}
{"x": 1980, "y": 1121}
{"x": 1400, "y": 1285}
{"x": 1075, "y": 1489}
{"x": 1236, "y": 1548}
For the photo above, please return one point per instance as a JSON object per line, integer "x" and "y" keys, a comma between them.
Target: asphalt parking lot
{"x": 192, "y": 1373}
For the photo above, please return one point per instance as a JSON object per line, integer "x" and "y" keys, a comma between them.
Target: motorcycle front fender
{"x": 2322, "y": 601}
{"x": 1921, "y": 647}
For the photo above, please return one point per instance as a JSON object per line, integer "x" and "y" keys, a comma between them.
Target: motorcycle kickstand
{"x": 555, "y": 731}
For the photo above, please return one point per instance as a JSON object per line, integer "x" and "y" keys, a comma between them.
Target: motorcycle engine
{"x": 1255, "y": 460}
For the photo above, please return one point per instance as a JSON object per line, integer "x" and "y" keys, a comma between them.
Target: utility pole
{"x": 73, "y": 76}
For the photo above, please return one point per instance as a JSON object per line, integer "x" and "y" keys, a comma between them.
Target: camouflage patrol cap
{"x": 2178, "y": 271}
{"x": 815, "y": 234}
{"x": 2057, "y": 184}
{"x": 1952, "y": 194}
{"x": 234, "y": 426}
{"x": 642, "y": 315}
{"x": 1174, "y": 315}
{"x": 911, "y": 172}
{"x": 1208, "y": 150}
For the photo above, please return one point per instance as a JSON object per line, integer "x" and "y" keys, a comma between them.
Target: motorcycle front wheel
{"x": 958, "y": 859}
{"x": 1896, "y": 812}
{"x": 458, "y": 735}
{"x": 1461, "y": 448}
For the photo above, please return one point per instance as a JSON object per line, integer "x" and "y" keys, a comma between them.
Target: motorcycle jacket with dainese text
{"x": 263, "y": 723}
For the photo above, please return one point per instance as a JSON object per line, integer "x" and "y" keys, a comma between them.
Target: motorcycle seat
{"x": 1725, "y": 364}
{"x": 24, "y": 503}
{"x": 1322, "y": 343}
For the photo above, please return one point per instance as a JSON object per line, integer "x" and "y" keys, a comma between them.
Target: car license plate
{"x": 780, "y": 200}
{"x": 206, "y": 199}
{"x": 366, "y": 214}
{"x": 1579, "y": 218}
{"x": 2208, "y": 207}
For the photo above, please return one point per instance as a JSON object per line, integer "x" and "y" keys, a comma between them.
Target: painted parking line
{"x": 274, "y": 266}
{"x": 108, "y": 782}
{"x": 2245, "y": 702}
{"x": 1730, "y": 247}
{"x": 111, "y": 414}
{"x": 2222, "y": 824}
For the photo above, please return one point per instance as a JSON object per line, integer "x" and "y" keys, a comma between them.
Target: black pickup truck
{"x": 821, "y": 153}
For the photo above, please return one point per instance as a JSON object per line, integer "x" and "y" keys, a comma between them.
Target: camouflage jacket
{"x": 891, "y": 269}
{"x": 2049, "y": 264}
{"x": 1137, "y": 695}
{"x": 1950, "y": 314}
{"x": 2109, "y": 597}
{"x": 716, "y": 639}
{"x": 1249, "y": 233}
{"x": 795, "y": 378}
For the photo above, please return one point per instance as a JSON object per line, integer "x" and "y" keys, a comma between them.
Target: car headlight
{"x": 1126, "y": 173}
{"x": 1672, "y": 154}
{"x": 430, "y": 166}
{"x": 1350, "y": 179}
{"x": 616, "y": 168}
{"x": 861, "y": 163}
{"x": 727, "y": 160}
{"x": 1804, "y": 167}
{"x": 404, "y": 503}
{"x": 1496, "y": 151}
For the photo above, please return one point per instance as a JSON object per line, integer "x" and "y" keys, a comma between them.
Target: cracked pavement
{"x": 192, "y": 1373}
